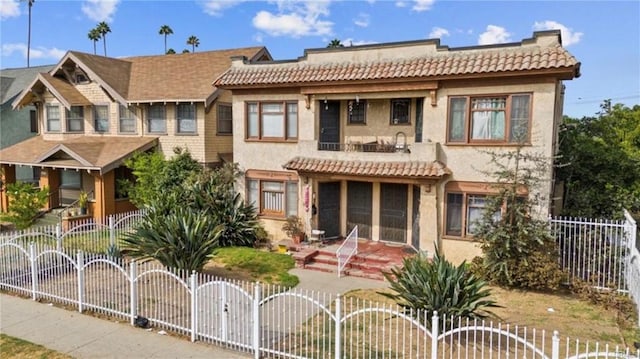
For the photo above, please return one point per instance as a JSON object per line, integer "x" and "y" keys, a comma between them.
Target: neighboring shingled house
{"x": 16, "y": 126}
{"x": 389, "y": 137}
{"x": 96, "y": 111}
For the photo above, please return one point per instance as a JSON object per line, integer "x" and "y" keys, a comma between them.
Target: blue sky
{"x": 604, "y": 36}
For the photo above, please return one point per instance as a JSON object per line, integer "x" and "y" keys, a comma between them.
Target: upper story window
{"x": 101, "y": 118}
{"x": 127, "y": 120}
{"x": 272, "y": 121}
{"x": 186, "y": 118}
{"x": 75, "y": 119}
{"x": 157, "y": 120}
{"x": 225, "y": 119}
{"x": 400, "y": 111}
{"x": 53, "y": 118}
{"x": 499, "y": 119}
{"x": 357, "y": 112}
{"x": 33, "y": 121}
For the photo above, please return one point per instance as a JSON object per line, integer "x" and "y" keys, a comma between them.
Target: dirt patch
{"x": 220, "y": 270}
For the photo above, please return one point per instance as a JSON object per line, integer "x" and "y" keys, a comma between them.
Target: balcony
{"x": 379, "y": 151}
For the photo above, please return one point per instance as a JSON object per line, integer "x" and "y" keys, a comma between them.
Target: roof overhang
{"x": 56, "y": 87}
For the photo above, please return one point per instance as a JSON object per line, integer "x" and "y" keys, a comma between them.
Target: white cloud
{"x": 39, "y": 52}
{"x": 422, "y": 5}
{"x": 10, "y": 8}
{"x": 494, "y": 35}
{"x": 362, "y": 20}
{"x": 295, "y": 19}
{"x": 216, "y": 7}
{"x": 569, "y": 37}
{"x": 401, "y": 4}
{"x": 100, "y": 10}
{"x": 438, "y": 32}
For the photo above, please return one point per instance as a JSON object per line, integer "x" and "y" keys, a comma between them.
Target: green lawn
{"x": 11, "y": 347}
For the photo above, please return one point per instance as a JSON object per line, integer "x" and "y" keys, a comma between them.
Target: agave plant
{"x": 424, "y": 285}
{"x": 181, "y": 239}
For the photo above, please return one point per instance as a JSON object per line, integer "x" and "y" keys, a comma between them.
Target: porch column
{"x": 8, "y": 176}
{"x": 105, "y": 203}
{"x": 375, "y": 212}
{"x": 429, "y": 218}
{"x": 50, "y": 177}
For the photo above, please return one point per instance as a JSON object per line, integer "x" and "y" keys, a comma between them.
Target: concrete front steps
{"x": 361, "y": 265}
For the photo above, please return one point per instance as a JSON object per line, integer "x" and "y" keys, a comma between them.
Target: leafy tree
{"x": 335, "y": 43}
{"x": 170, "y": 51}
{"x": 185, "y": 51}
{"x": 423, "y": 285}
{"x": 181, "y": 239}
{"x": 600, "y": 162}
{"x": 518, "y": 249}
{"x": 94, "y": 35}
{"x": 25, "y": 202}
{"x": 103, "y": 28}
{"x": 165, "y": 30}
{"x": 194, "y": 42}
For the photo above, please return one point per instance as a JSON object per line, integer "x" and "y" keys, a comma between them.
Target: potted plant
{"x": 82, "y": 202}
{"x": 294, "y": 228}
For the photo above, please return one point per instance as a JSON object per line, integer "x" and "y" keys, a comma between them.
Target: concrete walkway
{"x": 84, "y": 336}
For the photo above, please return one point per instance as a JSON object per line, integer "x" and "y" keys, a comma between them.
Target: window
{"x": 122, "y": 175}
{"x": 33, "y": 118}
{"x": 357, "y": 114}
{"x": 186, "y": 117}
{"x": 272, "y": 121}
{"x": 101, "y": 118}
{"x": 71, "y": 179}
{"x": 225, "y": 116}
{"x": 489, "y": 119}
{"x": 127, "y": 121}
{"x": 53, "y": 118}
{"x": 75, "y": 119}
{"x": 273, "y": 198}
{"x": 400, "y": 111}
{"x": 463, "y": 212}
{"x": 157, "y": 120}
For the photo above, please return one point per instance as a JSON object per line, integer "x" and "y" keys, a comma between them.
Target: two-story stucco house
{"x": 389, "y": 137}
{"x": 94, "y": 112}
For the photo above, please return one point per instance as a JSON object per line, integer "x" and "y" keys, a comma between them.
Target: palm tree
{"x": 194, "y": 42}
{"x": 30, "y": 4}
{"x": 94, "y": 35}
{"x": 103, "y": 28}
{"x": 165, "y": 30}
{"x": 335, "y": 43}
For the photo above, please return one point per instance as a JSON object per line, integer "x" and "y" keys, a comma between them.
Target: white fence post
{"x": 256, "y": 320}
{"x": 34, "y": 270}
{"x": 434, "y": 334}
{"x": 112, "y": 231}
{"x": 59, "y": 237}
{"x": 194, "y": 299}
{"x": 555, "y": 345}
{"x": 338, "y": 343}
{"x": 133, "y": 300}
{"x": 80, "y": 262}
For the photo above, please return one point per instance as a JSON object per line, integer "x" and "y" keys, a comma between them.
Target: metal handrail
{"x": 73, "y": 204}
{"x": 347, "y": 250}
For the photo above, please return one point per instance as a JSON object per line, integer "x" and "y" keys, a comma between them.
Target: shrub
{"x": 422, "y": 286}
{"x": 25, "y": 202}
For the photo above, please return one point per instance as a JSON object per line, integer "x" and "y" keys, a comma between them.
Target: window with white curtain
{"x": 186, "y": 118}
{"x": 157, "y": 120}
{"x": 463, "y": 211}
{"x": 272, "y": 121}
{"x": 489, "y": 119}
{"x": 273, "y": 198}
{"x": 53, "y": 118}
{"x": 75, "y": 119}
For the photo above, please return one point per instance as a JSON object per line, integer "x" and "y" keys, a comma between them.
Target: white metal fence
{"x": 268, "y": 321}
{"x": 347, "y": 250}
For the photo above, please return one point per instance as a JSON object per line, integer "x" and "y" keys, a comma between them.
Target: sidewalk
{"x": 83, "y": 336}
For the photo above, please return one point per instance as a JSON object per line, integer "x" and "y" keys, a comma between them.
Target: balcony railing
{"x": 364, "y": 147}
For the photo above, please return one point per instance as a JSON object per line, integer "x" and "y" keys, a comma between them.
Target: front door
{"x": 329, "y": 138}
{"x": 393, "y": 212}
{"x": 329, "y": 208}
{"x": 359, "y": 204}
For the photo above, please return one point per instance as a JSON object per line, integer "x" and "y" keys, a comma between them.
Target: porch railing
{"x": 347, "y": 250}
{"x": 363, "y": 147}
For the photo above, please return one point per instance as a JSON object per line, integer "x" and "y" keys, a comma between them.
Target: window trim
{"x": 467, "y": 140}
{"x": 95, "y": 117}
{"x": 362, "y": 107}
{"x": 132, "y": 111}
{"x": 391, "y": 114}
{"x": 47, "y": 120}
{"x": 285, "y": 119}
{"x": 148, "y": 119}
{"x": 218, "y": 119}
{"x": 285, "y": 178}
{"x": 178, "y": 119}
{"x": 68, "y": 119}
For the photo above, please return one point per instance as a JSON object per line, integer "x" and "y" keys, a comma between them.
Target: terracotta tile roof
{"x": 83, "y": 152}
{"x": 416, "y": 169}
{"x": 66, "y": 90}
{"x": 438, "y": 65}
